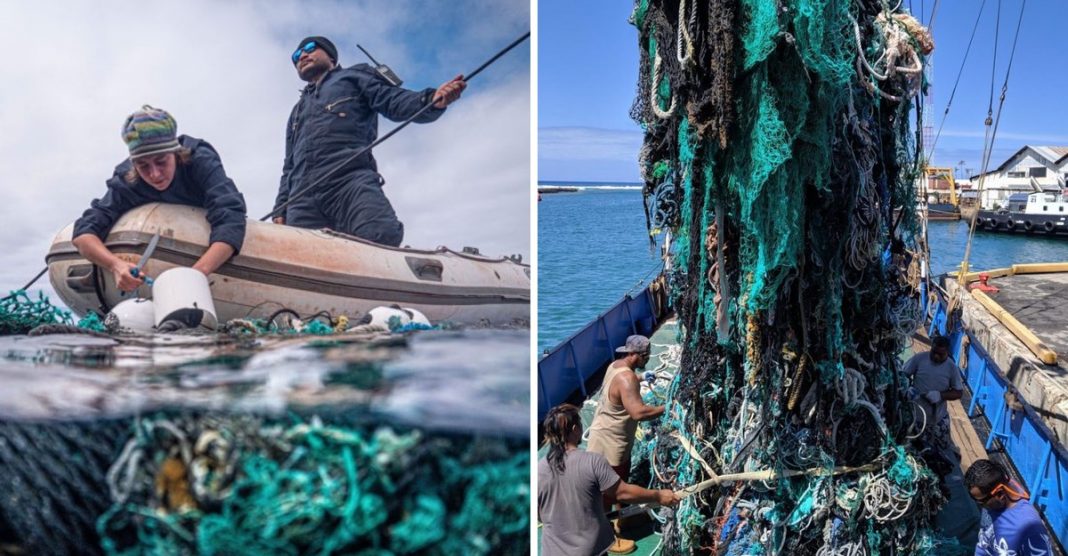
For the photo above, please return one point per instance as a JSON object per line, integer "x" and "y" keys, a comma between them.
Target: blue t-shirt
{"x": 1016, "y": 531}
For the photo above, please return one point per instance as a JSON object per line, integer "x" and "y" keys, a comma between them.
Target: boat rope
{"x": 988, "y": 148}
{"x": 280, "y": 210}
{"x": 27, "y": 286}
{"x": 960, "y": 72}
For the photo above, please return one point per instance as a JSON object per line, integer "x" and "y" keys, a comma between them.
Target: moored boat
{"x": 1044, "y": 213}
{"x": 305, "y": 271}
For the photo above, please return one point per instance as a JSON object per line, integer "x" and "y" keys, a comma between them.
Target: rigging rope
{"x": 960, "y": 72}
{"x": 988, "y": 146}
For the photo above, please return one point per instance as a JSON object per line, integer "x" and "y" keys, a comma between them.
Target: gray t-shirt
{"x": 570, "y": 506}
{"x": 928, "y": 376}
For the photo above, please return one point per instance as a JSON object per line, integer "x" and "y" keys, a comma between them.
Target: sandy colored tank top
{"x": 612, "y": 430}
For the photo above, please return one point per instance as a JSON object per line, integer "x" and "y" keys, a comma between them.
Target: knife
{"x": 136, "y": 271}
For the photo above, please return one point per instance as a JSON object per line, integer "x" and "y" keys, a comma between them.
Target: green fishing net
{"x": 187, "y": 483}
{"x": 780, "y": 158}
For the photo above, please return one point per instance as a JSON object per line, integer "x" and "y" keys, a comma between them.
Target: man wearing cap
{"x": 163, "y": 167}
{"x": 619, "y": 408}
{"x": 337, "y": 115}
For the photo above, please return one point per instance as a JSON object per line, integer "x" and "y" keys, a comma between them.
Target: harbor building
{"x": 1030, "y": 170}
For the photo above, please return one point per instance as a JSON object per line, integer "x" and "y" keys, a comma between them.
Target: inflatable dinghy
{"x": 305, "y": 271}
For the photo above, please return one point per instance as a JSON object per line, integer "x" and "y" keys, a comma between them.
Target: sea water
{"x": 593, "y": 248}
{"x": 178, "y": 443}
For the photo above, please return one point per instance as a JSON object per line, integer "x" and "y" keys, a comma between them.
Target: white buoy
{"x": 183, "y": 294}
{"x": 383, "y": 316}
{"x": 133, "y": 315}
{"x": 417, "y": 317}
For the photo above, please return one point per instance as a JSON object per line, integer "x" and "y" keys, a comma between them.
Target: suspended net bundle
{"x": 777, "y": 148}
{"x": 242, "y": 485}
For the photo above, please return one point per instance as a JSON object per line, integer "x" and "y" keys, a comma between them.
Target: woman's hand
{"x": 124, "y": 278}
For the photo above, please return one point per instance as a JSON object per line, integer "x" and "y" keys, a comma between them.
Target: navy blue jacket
{"x": 200, "y": 183}
{"x": 337, "y": 117}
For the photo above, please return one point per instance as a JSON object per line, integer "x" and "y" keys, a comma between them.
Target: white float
{"x": 183, "y": 294}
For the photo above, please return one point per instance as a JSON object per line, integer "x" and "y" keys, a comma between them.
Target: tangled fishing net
{"x": 777, "y": 148}
{"x": 20, "y": 314}
{"x": 218, "y": 484}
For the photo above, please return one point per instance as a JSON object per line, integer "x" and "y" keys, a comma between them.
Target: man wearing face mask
{"x": 935, "y": 380}
{"x": 163, "y": 167}
{"x": 337, "y": 115}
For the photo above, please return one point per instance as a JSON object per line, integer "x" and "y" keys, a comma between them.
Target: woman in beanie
{"x": 163, "y": 167}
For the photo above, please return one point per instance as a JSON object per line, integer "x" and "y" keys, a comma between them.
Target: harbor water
{"x": 274, "y": 444}
{"x": 593, "y": 248}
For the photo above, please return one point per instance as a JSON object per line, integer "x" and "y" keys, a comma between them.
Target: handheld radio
{"x": 383, "y": 69}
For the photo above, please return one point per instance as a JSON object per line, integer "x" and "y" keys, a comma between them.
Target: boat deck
{"x": 1036, "y": 300}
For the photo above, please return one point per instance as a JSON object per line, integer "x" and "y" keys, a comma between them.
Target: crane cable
{"x": 988, "y": 146}
{"x": 960, "y": 73}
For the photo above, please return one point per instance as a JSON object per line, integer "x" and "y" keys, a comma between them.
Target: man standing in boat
{"x": 936, "y": 380}
{"x": 337, "y": 115}
{"x": 163, "y": 168}
{"x": 619, "y": 408}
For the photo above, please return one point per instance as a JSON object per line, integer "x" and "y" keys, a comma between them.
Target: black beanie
{"x": 323, "y": 43}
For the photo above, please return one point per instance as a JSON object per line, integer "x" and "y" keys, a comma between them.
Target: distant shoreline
{"x": 549, "y": 187}
{"x": 578, "y": 183}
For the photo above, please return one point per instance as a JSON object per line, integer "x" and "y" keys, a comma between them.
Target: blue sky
{"x": 588, "y": 60}
{"x": 223, "y": 70}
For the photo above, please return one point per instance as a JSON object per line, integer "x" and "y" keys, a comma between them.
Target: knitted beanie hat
{"x": 150, "y": 131}
{"x": 323, "y": 43}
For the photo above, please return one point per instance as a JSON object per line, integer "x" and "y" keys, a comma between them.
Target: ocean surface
{"x": 593, "y": 249}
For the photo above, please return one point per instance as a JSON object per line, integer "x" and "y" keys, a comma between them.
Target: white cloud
{"x": 73, "y": 71}
{"x": 584, "y": 143}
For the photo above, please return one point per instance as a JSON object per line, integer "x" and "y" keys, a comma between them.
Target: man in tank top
{"x": 619, "y": 408}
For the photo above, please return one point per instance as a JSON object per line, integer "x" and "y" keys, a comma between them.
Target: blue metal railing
{"x": 567, "y": 367}
{"x": 1034, "y": 450}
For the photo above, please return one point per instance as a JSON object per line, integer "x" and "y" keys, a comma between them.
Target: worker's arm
{"x": 630, "y": 395}
{"x": 956, "y": 385}
{"x": 217, "y": 254}
{"x": 90, "y": 246}
{"x": 634, "y": 494}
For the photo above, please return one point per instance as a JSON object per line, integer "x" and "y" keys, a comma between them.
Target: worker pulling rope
{"x": 777, "y": 149}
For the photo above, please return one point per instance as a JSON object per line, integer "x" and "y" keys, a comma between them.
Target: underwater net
{"x": 777, "y": 149}
{"x": 198, "y": 483}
